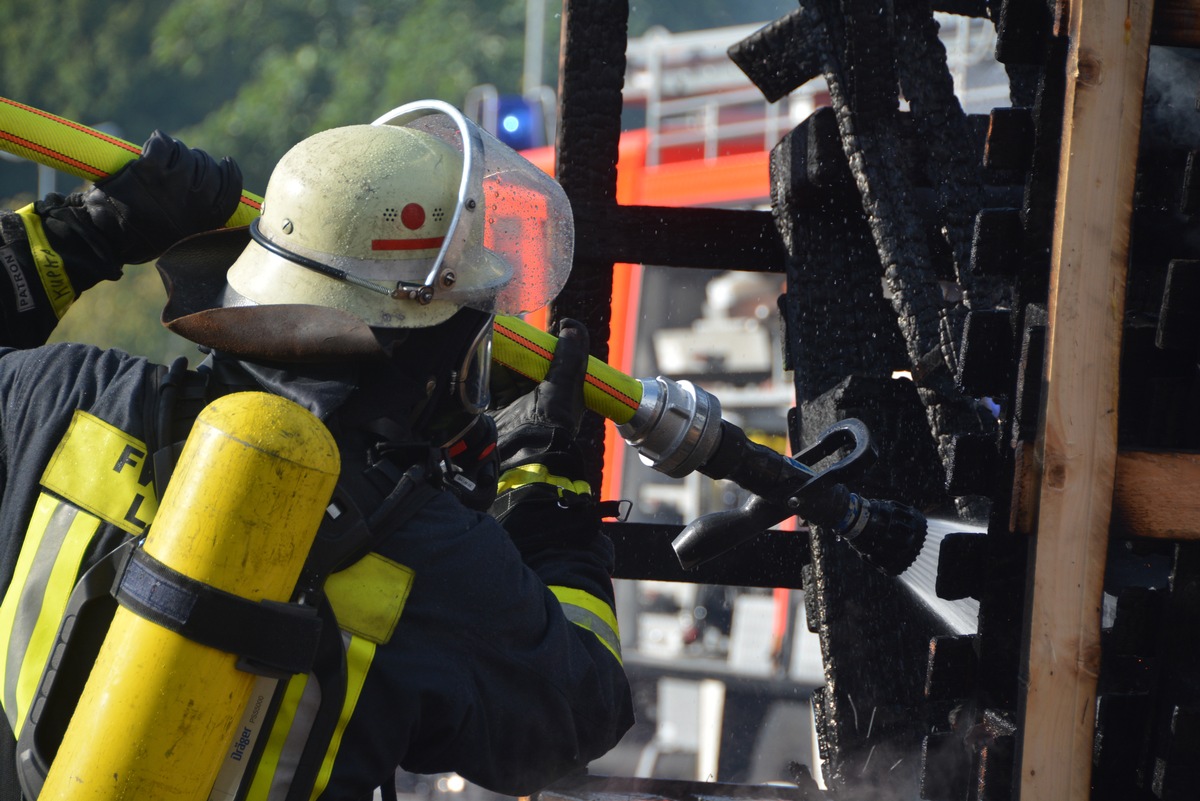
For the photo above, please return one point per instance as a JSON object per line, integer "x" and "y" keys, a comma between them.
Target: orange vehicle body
{"x": 737, "y": 177}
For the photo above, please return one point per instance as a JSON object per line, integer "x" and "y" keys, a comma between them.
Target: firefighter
{"x": 477, "y": 630}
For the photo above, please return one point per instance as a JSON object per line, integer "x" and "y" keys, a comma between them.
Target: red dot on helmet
{"x": 413, "y": 216}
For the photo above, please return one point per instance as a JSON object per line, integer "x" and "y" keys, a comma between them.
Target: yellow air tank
{"x": 240, "y": 514}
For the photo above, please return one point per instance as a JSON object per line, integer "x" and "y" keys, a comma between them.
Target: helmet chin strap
{"x": 421, "y": 294}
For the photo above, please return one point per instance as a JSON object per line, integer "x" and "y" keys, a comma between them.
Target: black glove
{"x": 547, "y": 506}
{"x": 136, "y": 213}
{"x": 540, "y": 426}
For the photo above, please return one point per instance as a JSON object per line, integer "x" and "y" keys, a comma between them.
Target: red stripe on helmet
{"x": 407, "y": 244}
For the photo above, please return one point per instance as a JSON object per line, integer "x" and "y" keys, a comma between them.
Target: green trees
{"x": 249, "y": 78}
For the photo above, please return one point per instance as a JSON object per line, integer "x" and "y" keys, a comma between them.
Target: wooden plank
{"x": 1157, "y": 495}
{"x": 1176, "y": 23}
{"x": 1106, "y": 72}
{"x": 1023, "y": 513}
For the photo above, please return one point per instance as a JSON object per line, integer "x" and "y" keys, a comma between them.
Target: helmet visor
{"x": 473, "y": 377}
{"x": 507, "y": 208}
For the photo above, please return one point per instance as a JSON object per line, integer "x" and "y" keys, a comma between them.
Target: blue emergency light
{"x": 519, "y": 122}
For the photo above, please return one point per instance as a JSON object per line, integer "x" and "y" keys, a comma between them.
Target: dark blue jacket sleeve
{"x": 487, "y": 675}
{"x": 45, "y": 270}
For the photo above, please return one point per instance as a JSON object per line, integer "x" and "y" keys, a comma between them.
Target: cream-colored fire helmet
{"x": 405, "y": 221}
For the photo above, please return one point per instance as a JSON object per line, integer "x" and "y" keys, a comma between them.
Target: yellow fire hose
{"x": 89, "y": 154}
{"x": 81, "y": 151}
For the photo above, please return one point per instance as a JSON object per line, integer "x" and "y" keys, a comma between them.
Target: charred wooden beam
{"x": 775, "y": 558}
{"x": 1176, "y": 23}
{"x": 779, "y": 57}
{"x": 727, "y": 239}
{"x": 591, "y": 78}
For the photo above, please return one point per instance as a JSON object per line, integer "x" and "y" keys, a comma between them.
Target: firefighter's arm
{"x": 551, "y": 515}
{"x": 60, "y": 246}
{"x": 542, "y": 500}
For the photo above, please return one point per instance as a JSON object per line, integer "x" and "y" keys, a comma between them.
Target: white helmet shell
{"x": 401, "y": 224}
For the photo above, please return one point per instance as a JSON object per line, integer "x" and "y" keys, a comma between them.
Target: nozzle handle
{"x": 886, "y": 535}
{"x": 713, "y": 534}
{"x": 772, "y": 475}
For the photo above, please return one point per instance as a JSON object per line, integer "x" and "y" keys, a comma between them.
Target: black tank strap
{"x": 271, "y": 638}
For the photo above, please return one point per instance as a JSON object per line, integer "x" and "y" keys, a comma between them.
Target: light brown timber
{"x": 1109, "y": 42}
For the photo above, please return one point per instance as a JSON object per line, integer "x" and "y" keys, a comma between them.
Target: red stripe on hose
{"x": 611, "y": 391}
{"x": 606, "y": 388}
{"x": 112, "y": 140}
{"x": 54, "y": 154}
{"x": 527, "y": 344}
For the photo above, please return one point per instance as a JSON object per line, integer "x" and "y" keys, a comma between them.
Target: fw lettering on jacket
{"x": 136, "y": 459}
{"x": 100, "y": 468}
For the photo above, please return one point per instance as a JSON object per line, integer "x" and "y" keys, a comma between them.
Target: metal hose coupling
{"x": 676, "y": 427}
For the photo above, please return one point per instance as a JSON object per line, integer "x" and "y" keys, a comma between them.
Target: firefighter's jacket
{"x": 465, "y": 651}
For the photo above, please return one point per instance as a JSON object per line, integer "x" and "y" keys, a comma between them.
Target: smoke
{"x": 1171, "y": 117}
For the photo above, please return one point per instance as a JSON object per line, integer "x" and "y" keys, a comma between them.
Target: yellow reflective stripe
{"x": 539, "y": 474}
{"x": 260, "y": 786}
{"x": 8, "y": 609}
{"x": 31, "y": 612}
{"x": 594, "y": 614}
{"x": 100, "y": 468}
{"x": 49, "y": 264}
{"x": 369, "y": 596}
{"x": 54, "y": 602}
{"x": 359, "y": 655}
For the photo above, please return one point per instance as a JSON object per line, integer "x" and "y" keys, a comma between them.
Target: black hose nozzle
{"x": 678, "y": 429}
{"x": 887, "y": 535}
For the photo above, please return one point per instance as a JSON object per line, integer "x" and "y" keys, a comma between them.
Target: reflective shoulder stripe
{"x": 100, "y": 468}
{"x": 49, "y": 264}
{"x": 12, "y": 600}
{"x": 294, "y": 720}
{"x": 589, "y": 612}
{"x": 51, "y": 554}
{"x": 369, "y": 596}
